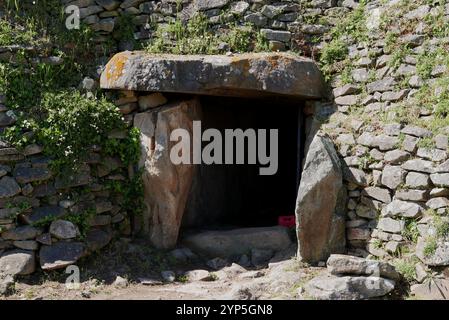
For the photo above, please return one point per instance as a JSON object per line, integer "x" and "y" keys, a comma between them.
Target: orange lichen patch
{"x": 114, "y": 68}
{"x": 241, "y": 63}
{"x": 273, "y": 60}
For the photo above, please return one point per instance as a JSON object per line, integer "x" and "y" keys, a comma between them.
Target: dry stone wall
{"x": 39, "y": 210}
{"x": 48, "y": 219}
{"x": 389, "y": 123}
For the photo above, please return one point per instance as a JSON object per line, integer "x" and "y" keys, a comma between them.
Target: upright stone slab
{"x": 166, "y": 185}
{"x": 320, "y": 203}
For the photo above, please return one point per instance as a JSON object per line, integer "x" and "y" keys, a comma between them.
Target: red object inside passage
{"x": 287, "y": 221}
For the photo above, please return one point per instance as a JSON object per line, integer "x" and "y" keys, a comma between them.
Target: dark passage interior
{"x": 230, "y": 196}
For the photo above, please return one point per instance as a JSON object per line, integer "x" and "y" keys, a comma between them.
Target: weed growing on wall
{"x": 81, "y": 220}
{"x": 198, "y": 37}
{"x": 59, "y": 118}
{"x": 432, "y": 62}
{"x": 71, "y": 120}
{"x": 406, "y": 267}
{"x": 440, "y": 225}
{"x": 131, "y": 192}
{"x": 11, "y": 34}
{"x": 334, "y": 55}
{"x": 411, "y": 232}
{"x": 430, "y": 247}
{"x": 124, "y": 29}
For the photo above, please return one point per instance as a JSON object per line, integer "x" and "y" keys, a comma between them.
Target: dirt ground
{"x": 139, "y": 270}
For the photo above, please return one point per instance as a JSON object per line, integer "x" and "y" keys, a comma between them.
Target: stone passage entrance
{"x": 257, "y": 91}
{"x": 225, "y": 196}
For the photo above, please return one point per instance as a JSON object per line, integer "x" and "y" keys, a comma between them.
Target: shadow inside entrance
{"x": 236, "y": 195}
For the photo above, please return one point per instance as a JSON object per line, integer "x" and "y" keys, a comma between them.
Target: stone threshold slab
{"x": 226, "y": 243}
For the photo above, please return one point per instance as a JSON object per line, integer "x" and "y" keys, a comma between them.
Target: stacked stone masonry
{"x": 36, "y": 205}
{"x": 396, "y": 173}
{"x": 30, "y": 194}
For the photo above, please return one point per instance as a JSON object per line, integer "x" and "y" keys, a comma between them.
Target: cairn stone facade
{"x": 395, "y": 157}
{"x": 395, "y": 171}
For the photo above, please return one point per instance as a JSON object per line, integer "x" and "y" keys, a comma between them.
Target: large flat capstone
{"x": 240, "y": 75}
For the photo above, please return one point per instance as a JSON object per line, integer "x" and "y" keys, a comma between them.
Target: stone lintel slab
{"x": 240, "y": 75}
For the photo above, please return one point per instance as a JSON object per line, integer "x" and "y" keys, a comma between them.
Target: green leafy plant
{"x": 437, "y": 22}
{"x": 82, "y": 220}
{"x": 128, "y": 149}
{"x": 411, "y": 232}
{"x": 11, "y": 34}
{"x": 377, "y": 243}
{"x": 398, "y": 57}
{"x": 240, "y": 38}
{"x": 365, "y": 161}
{"x": 441, "y": 226}
{"x": 191, "y": 38}
{"x": 333, "y": 56}
{"x": 426, "y": 142}
{"x": 182, "y": 279}
{"x": 125, "y": 28}
{"x": 430, "y": 247}
{"x": 426, "y": 62}
{"x": 212, "y": 276}
{"x": 71, "y": 120}
{"x": 131, "y": 191}
{"x": 335, "y": 51}
{"x": 406, "y": 267}
{"x": 261, "y": 43}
